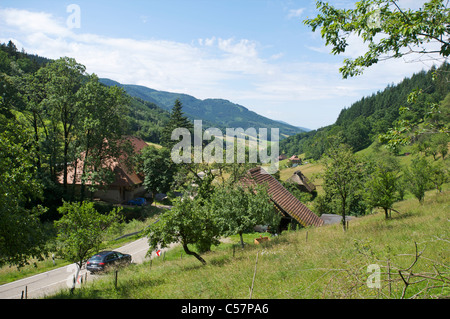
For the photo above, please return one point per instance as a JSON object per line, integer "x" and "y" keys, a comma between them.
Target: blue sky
{"x": 256, "y": 53}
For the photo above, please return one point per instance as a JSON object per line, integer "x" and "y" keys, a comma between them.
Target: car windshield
{"x": 96, "y": 258}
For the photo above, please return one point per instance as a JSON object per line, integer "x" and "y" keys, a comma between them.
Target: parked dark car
{"x": 105, "y": 259}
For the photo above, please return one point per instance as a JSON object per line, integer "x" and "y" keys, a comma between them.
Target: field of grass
{"x": 316, "y": 263}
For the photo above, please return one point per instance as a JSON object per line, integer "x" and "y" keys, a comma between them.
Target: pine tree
{"x": 176, "y": 120}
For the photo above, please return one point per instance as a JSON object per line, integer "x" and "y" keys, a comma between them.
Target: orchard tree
{"x": 81, "y": 229}
{"x": 382, "y": 185}
{"x": 343, "y": 178}
{"x": 419, "y": 177}
{"x": 440, "y": 174}
{"x": 239, "y": 209}
{"x": 189, "y": 222}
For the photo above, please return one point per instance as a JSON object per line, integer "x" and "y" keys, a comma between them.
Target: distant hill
{"x": 304, "y": 129}
{"x": 218, "y": 113}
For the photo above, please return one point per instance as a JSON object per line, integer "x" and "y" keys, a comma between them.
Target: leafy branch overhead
{"x": 389, "y": 30}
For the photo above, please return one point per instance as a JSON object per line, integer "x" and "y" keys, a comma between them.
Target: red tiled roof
{"x": 283, "y": 198}
{"x": 123, "y": 176}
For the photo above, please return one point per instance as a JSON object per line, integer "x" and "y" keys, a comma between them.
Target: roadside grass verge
{"x": 411, "y": 251}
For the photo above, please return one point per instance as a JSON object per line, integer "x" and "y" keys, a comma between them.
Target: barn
{"x": 286, "y": 203}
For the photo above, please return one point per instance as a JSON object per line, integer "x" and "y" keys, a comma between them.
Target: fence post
{"x": 115, "y": 279}
{"x": 254, "y": 275}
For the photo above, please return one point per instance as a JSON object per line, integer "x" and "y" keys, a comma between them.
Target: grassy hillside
{"x": 320, "y": 262}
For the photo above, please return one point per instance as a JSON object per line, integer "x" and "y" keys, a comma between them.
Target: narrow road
{"x": 52, "y": 281}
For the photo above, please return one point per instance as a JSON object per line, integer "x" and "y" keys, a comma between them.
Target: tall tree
{"x": 100, "y": 129}
{"x": 22, "y": 236}
{"x": 177, "y": 120}
{"x": 64, "y": 77}
{"x": 157, "y": 168}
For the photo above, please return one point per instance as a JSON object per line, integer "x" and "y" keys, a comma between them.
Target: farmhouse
{"x": 286, "y": 203}
{"x": 126, "y": 185}
{"x": 294, "y": 159}
{"x": 302, "y": 182}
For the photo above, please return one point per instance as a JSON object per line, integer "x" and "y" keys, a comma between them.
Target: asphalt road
{"x": 52, "y": 281}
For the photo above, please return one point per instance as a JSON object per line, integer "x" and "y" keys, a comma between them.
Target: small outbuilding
{"x": 286, "y": 203}
{"x": 302, "y": 182}
{"x": 294, "y": 159}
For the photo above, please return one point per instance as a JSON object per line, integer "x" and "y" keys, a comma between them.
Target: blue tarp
{"x": 137, "y": 201}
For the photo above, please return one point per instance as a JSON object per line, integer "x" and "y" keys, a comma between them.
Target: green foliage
{"x": 312, "y": 263}
{"x": 82, "y": 229}
{"x": 439, "y": 174}
{"x": 298, "y": 193}
{"x": 390, "y": 32}
{"x": 188, "y": 223}
{"x": 343, "y": 180}
{"x": 403, "y": 31}
{"x": 146, "y": 120}
{"x": 21, "y": 233}
{"x": 239, "y": 209}
{"x": 387, "y": 113}
{"x": 419, "y": 177}
{"x": 176, "y": 120}
{"x": 99, "y": 131}
{"x": 382, "y": 184}
{"x": 157, "y": 168}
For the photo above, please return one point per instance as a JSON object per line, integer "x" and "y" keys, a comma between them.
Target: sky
{"x": 256, "y": 53}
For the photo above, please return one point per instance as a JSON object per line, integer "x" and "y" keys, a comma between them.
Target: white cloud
{"x": 244, "y": 47}
{"x": 214, "y": 67}
{"x": 295, "y": 13}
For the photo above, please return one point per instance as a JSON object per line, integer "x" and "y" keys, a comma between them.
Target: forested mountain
{"x": 361, "y": 123}
{"x": 218, "y": 113}
{"x": 144, "y": 119}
